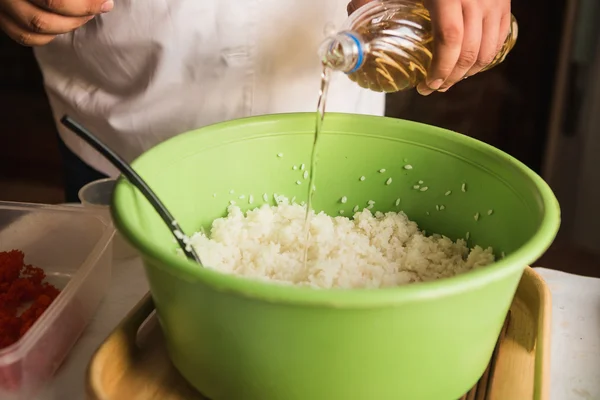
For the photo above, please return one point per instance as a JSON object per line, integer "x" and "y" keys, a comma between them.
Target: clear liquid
{"x": 320, "y": 115}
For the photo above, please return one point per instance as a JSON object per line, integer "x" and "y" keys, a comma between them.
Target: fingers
{"x": 75, "y": 8}
{"x": 490, "y": 44}
{"x": 468, "y": 35}
{"x": 448, "y": 30}
{"x": 37, "y": 22}
{"x": 30, "y": 18}
{"x": 355, "y": 5}
{"x": 505, "y": 28}
{"x": 22, "y": 36}
{"x": 469, "y": 54}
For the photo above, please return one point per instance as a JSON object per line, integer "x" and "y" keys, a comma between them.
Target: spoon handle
{"x": 137, "y": 181}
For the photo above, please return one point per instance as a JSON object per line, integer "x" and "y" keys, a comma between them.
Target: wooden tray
{"x": 132, "y": 364}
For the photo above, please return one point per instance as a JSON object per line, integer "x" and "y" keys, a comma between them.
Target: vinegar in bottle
{"x": 386, "y": 45}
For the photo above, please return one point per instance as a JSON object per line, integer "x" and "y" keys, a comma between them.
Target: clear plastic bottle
{"x": 386, "y": 45}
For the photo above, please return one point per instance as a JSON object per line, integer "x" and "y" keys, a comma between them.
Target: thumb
{"x": 355, "y": 5}
{"x": 75, "y": 8}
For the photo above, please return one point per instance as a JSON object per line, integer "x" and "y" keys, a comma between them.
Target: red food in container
{"x": 73, "y": 247}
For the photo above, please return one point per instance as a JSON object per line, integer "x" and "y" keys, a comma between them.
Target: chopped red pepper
{"x": 24, "y": 296}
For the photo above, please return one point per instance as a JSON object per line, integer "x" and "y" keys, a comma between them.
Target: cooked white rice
{"x": 368, "y": 251}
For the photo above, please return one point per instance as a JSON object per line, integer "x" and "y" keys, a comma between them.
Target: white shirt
{"x": 151, "y": 69}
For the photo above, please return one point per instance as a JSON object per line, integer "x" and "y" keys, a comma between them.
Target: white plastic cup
{"x": 98, "y": 194}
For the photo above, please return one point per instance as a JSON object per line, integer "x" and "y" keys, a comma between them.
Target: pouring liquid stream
{"x": 320, "y": 115}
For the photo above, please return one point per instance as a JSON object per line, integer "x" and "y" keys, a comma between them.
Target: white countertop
{"x": 575, "y": 359}
{"x": 575, "y": 333}
{"x": 127, "y": 289}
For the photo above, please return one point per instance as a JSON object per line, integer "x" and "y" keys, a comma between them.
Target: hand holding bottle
{"x": 468, "y": 34}
{"x": 38, "y": 22}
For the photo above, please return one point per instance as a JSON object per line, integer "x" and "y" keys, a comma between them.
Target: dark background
{"x": 30, "y": 165}
{"x": 507, "y": 107}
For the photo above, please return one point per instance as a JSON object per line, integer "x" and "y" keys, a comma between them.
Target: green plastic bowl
{"x": 237, "y": 339}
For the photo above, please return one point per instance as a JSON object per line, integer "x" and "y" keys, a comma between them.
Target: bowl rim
{"x": 344, "y": 298}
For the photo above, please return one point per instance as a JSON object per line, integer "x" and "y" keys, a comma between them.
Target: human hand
{"x": 38, "y": 22}
{"x": 468, "y": 34}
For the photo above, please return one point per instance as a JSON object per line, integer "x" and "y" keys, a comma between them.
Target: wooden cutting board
{"x": 133, "y": 364}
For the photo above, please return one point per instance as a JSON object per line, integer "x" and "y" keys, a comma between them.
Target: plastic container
{"x": 236, "y": 338}
{"x": 387, "y": 45}
{"x": 97, "y": 195}
{"x": 73, "y": 247}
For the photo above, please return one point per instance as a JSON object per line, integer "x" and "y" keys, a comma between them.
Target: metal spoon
{"x": 138, "y": 182}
